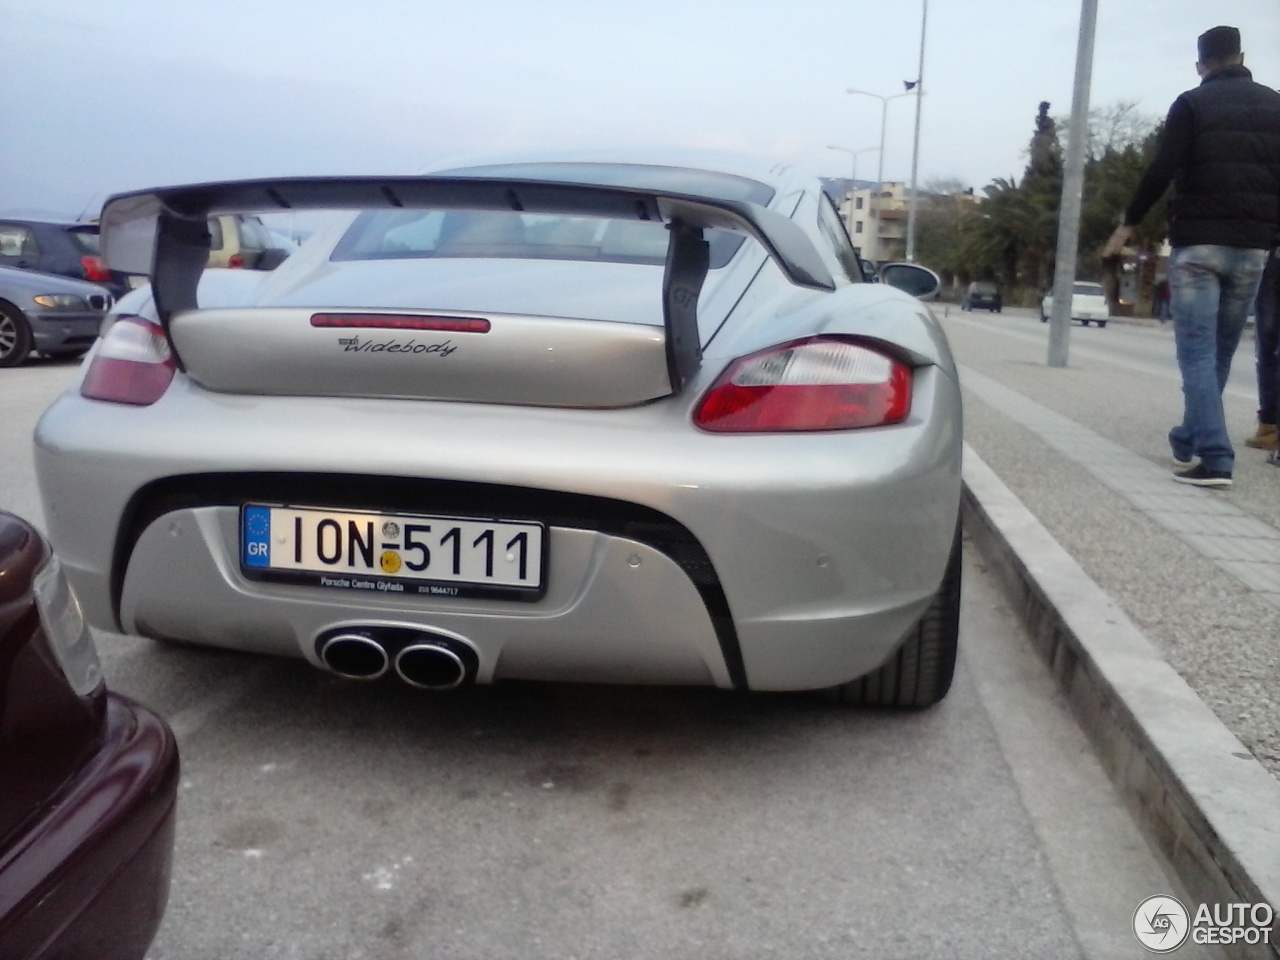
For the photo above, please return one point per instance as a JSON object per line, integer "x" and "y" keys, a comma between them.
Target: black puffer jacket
{"x": 1221, "y": 149}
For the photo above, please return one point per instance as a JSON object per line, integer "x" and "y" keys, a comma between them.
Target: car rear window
{"x": 409, "y": 234}
{"x": 1088, "y": 289}
{"x": 982, "y": 287}
{"x": 406, "y": 234}
{"x": 86, "y": 240}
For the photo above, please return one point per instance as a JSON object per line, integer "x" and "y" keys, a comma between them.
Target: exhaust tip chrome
{"x": 355, "y": 656}
{"x": 431, "y": 666}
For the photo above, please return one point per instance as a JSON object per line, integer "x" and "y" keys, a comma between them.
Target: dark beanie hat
{"x": 1218, "y": 44}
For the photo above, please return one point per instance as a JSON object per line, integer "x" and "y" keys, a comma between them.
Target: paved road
{"x": 1085, "y": 448}
{"x": 325, "y": 819}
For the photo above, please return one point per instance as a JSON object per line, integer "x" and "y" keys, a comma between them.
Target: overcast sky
{"x": 98, "y": 97}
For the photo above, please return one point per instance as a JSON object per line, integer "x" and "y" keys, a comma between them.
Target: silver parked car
{"x": 43, "y": 313}
{"x": 617, "y": 422}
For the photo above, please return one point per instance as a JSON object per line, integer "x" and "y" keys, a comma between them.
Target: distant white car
{"x": 1088, "y": 302}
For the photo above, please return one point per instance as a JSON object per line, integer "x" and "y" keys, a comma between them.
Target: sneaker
{"x": 1264, "y": 439}
{"x": 1182, "y": 464}
{"x": 1202, "y": 476}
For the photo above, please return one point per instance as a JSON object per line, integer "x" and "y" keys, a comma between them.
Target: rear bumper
{"x": 820, "y": 550}
{"x": 91, "y": 879}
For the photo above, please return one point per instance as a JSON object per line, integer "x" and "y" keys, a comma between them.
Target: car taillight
{"x": 822, "y": 383}
{"x": 235, "y": 260}
{"x": 133, "y": 364}
{"x": 94, "y": 269}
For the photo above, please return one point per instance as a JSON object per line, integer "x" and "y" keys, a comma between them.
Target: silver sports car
{"x": 598, "y": 421}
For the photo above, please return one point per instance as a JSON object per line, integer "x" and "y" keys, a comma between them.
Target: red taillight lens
{"x": 818, "y": 384}
{"x": 94, "y": 269}
{"x": 235, "y": 260}
{"x": 133, "y": 364}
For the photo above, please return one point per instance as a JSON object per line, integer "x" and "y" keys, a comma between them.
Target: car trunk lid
{"x": 423, "y": 355}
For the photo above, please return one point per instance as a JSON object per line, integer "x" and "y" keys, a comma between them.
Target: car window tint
{"x": 17, "y": 241}
{"x": 215, "y": 233}
{"x": 832, "y": 228}
{"x": 408, "y": 234}
{"x": 1088, "y": 289}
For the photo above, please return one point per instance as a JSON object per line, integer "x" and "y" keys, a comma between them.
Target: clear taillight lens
{"x": 133, "y": 364}
{"x": 66, "y": 629}
{"x": 822, "y": 383}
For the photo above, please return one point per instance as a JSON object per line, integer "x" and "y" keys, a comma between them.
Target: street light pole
{"x": 884, "y": 107}
{"x": 915, "y": 148}
{"x": 884, "y": 110}
{"x": 1064, "y": 276}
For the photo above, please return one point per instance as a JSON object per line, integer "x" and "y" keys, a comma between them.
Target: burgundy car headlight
{"x": 822, "y": 383}
{"x": 65, "y": 627}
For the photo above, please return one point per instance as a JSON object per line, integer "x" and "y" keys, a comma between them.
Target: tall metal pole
{"x": 1064, "y": 277}
{"x": 915, "y": 149}
{"x": 884, "y": 111}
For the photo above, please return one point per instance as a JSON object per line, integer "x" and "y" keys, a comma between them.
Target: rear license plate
{"x": 393, "y": 553}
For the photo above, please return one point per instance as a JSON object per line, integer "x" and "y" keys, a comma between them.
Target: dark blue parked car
{"x": 67, "y": 249}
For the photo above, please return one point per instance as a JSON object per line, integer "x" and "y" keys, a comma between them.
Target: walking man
{"x": 1221, "y": 150}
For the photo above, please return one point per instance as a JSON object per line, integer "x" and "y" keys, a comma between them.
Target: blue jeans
{"x": 1212, "y": 288}
{"x": 1267, "y": 343}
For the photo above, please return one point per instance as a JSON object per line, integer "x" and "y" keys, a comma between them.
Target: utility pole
{"x": 1072, "y": 188}
{"x": 915, "y": 149}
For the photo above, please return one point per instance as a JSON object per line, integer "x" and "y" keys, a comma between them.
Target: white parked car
{"x": 1088, "y": 302}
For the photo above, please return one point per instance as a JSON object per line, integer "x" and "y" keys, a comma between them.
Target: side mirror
{"x": 921, "y": 282}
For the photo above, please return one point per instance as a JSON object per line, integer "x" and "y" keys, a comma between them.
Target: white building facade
{"x": 877, "y": 221}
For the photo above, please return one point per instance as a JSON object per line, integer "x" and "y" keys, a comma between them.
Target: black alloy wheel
{"x": 15, "y": 337}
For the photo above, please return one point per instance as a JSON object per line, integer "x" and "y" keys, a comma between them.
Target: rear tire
{"x": 919, "y": 673}
{"x": 15, "y": 337}
{"x": 1102, "y": 323}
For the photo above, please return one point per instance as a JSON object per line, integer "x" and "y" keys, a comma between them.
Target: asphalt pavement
{"x": 324, "y": 819}
{"x": 1157, "y": 604}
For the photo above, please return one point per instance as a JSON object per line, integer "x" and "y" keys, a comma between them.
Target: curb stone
{"x": 1202, "y": 798}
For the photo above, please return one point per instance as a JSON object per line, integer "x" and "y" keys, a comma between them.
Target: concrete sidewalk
{"x": 1200, "y": 795}
{"x": 1157, "y": 604}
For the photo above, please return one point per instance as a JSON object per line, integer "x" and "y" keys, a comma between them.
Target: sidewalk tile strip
{"x": 1245, "y": 547}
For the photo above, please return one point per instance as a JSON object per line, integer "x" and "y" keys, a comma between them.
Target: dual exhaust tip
{"x": 422, "y": 659}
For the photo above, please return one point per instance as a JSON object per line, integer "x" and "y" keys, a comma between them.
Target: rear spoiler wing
{"x": 164, "y": 232}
